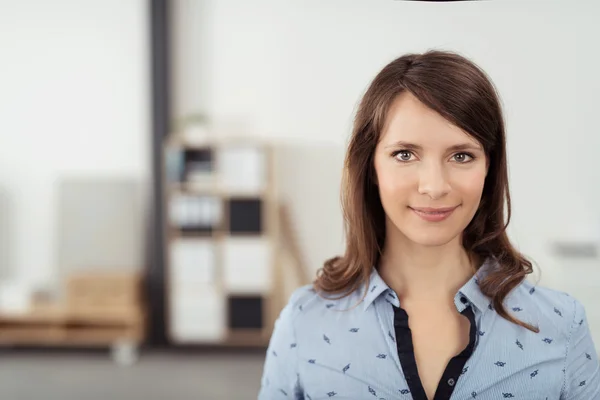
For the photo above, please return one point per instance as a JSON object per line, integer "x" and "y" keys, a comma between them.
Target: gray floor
{"x": 161, "y": 376}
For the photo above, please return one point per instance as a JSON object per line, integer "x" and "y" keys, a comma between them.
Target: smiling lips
{"x": 433, "y": 214}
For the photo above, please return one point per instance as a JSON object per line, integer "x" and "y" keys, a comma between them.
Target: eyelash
{"x": 395, "y": 153}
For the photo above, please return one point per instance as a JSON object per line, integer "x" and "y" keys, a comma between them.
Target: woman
{"x": 429, "y": 300}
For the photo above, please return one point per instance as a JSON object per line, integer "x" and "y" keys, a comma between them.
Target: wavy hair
{"x": 461, "y": 92}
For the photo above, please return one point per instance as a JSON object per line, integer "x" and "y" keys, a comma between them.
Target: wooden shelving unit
{"x": 221, "y": 242}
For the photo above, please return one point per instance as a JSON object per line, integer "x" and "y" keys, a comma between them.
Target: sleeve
{"x": 280, "y": 378}
{"x": 582, "y": 371}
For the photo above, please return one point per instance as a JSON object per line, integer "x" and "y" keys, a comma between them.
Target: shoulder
{"x": 307, "y": 300}
{"x": 546, "y": 306}
{"x": 301, "y": 298}
{"x": 306, "y": 306}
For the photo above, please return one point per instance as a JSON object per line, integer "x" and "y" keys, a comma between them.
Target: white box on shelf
{"x": 208, "y": 210}
{"x": 192, "y": 210}
{"x": 247, "y": 265}
{"x": 193, "y": 261}
{"x": 243, "y": 169}
{"x": 198, "y": 315}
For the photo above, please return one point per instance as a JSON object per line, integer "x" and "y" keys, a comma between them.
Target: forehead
{"x": 411, "y": 121}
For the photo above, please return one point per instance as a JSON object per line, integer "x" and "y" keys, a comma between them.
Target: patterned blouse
{"x": 352, "y": 349}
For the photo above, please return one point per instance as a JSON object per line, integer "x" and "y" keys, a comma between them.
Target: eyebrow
{"x": 416, "y": 147}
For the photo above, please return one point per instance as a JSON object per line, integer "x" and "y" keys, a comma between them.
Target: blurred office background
{"x": 169, "y": 172}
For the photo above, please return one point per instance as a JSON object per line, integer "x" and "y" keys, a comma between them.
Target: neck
{"x": 425, "y": 273}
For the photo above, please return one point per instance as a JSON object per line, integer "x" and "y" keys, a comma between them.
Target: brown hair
{"x": 462, "y": 93}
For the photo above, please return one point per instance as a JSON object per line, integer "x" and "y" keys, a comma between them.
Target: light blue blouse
{"x": 346, "y": 349}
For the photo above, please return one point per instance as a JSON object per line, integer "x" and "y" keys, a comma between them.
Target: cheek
{"x": 395, "y": 186}
{"x": 471, "y": 186}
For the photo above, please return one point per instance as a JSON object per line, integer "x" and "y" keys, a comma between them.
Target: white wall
{"x": 74, "y": 100}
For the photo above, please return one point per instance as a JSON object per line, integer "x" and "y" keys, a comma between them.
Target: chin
{"x": 431, "y": 238}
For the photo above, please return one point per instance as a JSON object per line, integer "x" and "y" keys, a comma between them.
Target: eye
{"x": 463, "y": 158}
{"x": 402, "y": 155}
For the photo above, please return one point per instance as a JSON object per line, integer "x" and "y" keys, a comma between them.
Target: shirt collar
{"x": 470, "y": 290}
{"x": 376, "y": 287}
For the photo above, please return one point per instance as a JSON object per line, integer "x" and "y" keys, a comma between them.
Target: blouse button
{"x": 463, "y": 300}
{"x": 451, "y": 382}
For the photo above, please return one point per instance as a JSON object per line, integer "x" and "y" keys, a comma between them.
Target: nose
{"x": 433, "y": 181}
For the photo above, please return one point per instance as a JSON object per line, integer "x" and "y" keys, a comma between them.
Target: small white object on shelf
{"x": 247, "y": 265}
{"x": 243, "y": 169}
{"x": 193, "y": 210}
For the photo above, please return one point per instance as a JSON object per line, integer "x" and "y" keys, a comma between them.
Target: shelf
{"x": 189, "y": 188}
{"x": 192, "y": 234}
{"x": 216, "y": 142}
{"x": 237, "y": 199}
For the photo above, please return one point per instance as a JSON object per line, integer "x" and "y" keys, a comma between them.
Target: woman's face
{"x": 429, "y": 172}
